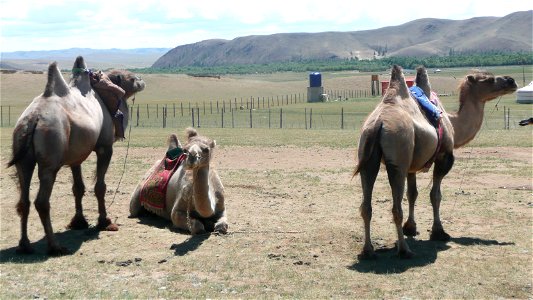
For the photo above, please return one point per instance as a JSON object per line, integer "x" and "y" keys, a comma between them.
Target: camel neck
{"x": 467, "y": 120}
{"x": 203, "y": 201}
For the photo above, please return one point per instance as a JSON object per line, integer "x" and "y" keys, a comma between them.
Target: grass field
{"x": 292, "y": 205}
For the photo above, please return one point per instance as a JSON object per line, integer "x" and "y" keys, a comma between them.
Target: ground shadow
{"x": 70, "y": 239}
{"x": 469, "y": 241}
{"x": 155, "y": 221}
{"x": 426, "y": 253}
{"x": 190, "y": 244}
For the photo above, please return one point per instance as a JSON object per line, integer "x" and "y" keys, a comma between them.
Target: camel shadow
{"x": 190, "y": 244}
{"x": 426, "y": 252}
{"x": 70, "y": 239}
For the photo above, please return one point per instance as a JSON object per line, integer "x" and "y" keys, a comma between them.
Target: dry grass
{"x": 295, "y": 229}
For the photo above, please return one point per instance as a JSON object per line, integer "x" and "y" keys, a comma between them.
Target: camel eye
{"x": 205, "y": 150}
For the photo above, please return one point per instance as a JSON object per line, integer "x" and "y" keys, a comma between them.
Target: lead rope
{"x": 124, "y": 165}
{"x": 469, "y": 157}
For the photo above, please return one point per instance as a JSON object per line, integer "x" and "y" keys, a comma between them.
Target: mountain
{"x": 422, "y": 37}
{"x": 95, "y": 58}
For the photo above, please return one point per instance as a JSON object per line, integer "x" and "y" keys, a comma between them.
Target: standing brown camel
{"x": 398, "y": 134}
{"x": 59, "y": 128}
{"x": 194, "y": 198}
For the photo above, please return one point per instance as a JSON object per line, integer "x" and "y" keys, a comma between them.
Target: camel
{"x": 400, "y": 136}
{"x": 194, "y": 199}
{"x": 61, "y": 127}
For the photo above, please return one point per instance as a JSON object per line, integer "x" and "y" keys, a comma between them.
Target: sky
{"x": 30, "y": 25}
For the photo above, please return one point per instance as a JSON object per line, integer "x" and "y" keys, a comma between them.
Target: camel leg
{"x": 409, "y": 227}
{"x": 442, "y": 167}
{"x": 103, "y": 157}
{"x": 185, "y": 223}
{"x": 397, "y": 183}
{"x": 24, "y": 172}
{"x": 78, "y": 189}
{"x": 47, "y": 178}
{"x": 368, "y": 177}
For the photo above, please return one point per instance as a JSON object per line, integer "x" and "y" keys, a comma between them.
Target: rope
{"x": 469, "y": 157}
{"x": 123, "y": 167}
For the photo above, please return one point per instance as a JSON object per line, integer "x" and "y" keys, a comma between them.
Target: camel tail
{"x": 22, "y": 140}
{"x": 367, "y": 144}
{"x": 55, "y": 83}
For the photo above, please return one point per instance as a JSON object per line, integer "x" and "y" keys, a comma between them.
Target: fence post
{"x": 147, "y": 111}
{"x": 305, "y": 118}
{"x": 269, "y": 116}
{"x": 181, "y": 104}
{"x": 281, "y": 118}
{"x": 157, "y": 111}
{"x": 198, "y": 116}
{"x": 174, "y": 106}
{"x": 192, "y": 116}
{"x": 1, "y": 115}
{"x": 137, "y": 115}
{"x": 311, "y": 118}
{"x": 222, "y": 114}
{"x": 251, "y": 118}
{"x": 232, "y": 118}
{"x": 504, "y": 117}
{"x": 342, "y": 117}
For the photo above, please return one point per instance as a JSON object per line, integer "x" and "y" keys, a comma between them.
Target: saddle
{"x": 434, "y": 115}
{"x": 154, "y": 188}
{"x": 112, "y": 95}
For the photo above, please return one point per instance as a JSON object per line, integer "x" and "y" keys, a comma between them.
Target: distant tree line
{"x": 455, "y": 59}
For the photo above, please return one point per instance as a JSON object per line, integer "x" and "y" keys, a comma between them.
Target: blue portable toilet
{"x": 315, "y": 79}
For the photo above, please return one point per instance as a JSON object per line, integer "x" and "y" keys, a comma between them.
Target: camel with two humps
{"x": 399, "y": 135}
{"x": 62, "y": 127}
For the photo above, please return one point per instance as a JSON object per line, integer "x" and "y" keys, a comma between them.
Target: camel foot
{"x": 439, "y": 235}
{"x": 221, "y": 227}
{"x": 106, "y": 225}
{"x": 196, "y": 227}
{"x": 24, "y": 248}
{"x": 367, "y": 253}
{"x": 57, "y": 251}
{"x": 78, "y": 223}
{"x": 409, "y": 229}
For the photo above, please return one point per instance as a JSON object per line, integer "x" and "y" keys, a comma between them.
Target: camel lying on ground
{"x": 59, "y": 128}
{"x": 193, "y": 198}
{"x": 398, "y": 134}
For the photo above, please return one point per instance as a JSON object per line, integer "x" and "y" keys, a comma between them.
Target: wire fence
{"x": 267, "y": 112}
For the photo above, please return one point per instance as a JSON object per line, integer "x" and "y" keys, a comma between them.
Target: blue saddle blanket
{"x": 433, "y": 113}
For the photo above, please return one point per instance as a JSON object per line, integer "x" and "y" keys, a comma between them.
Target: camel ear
{"x": 471, "y": 78}
{"x": 119, "y": 79}
{"x": 213, "y": 144}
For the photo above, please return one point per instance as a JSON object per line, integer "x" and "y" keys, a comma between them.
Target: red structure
{"x": 385, "y": 84}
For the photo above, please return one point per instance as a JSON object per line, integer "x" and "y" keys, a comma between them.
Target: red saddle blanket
{"x": 154, "y": 189}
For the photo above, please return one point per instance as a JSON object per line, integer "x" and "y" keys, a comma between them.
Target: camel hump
{"x": 80, "y": 63}
{"x": 190, "y": 132}
{"x": 55, "y": 84}
{"x": 173, "y": 142}
{"x": 422, "y": 80}
{"x": 397, "y": 81}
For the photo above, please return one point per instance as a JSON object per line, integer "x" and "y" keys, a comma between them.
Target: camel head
{"x": 128, "y": 81}
{"x": 198, "y": 149}
{"x": 486, "y": 86}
